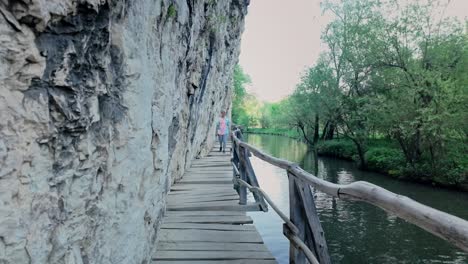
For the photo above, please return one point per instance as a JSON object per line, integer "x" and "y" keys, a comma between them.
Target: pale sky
{"x": 282, "y": 38}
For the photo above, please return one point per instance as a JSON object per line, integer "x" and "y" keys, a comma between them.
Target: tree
{"x": 239, "y": 113}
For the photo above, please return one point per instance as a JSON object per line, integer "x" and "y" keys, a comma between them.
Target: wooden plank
{"x": 207, "y": 255}
{"x": 214, "y": 165}
{"x": 213, "y": 203}
{"x": 203, "y": 193}
{"x": 204, "y": 222}
{"x": 210, "y": 246}
{"x": 208, "y": 174}
{"x": 209, "y": 169}
{"x": 207, "y": 177}
{"x": 220, "y": 227}
{"x": 197, "y": 187}
{"x": 209, "y": 236}
{"x": 208, "y": 162}
{"x": 207, "y": 181}
{"x": 181, "y": 200}
{"x": 189, "y": 196}
{"x": 200, "y": 194}
{"x": 203, "y": 196}
{"x": 237, "y": 261}
{"x": 204, "y": 190}
{"x": 203, "y": 213}
{"x": 230, "y": 219}
{"x": 247, "y": 207}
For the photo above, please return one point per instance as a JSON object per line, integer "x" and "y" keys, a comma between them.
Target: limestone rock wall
{"x": 103, "y": 104}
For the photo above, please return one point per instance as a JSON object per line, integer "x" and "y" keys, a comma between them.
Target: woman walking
{"x": 222, "y": 128}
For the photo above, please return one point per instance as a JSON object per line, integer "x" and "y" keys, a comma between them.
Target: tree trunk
{"x": 361, "y": 153}
{"x": 362, "y": 158}
{"x": 304, "y": 134}
{"x": 316, "y": 129}
{"x": 324, "y": 130}
{"x": 330, "y": 132}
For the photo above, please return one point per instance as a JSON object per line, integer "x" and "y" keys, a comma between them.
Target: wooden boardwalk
{"x": 204, "y": 222}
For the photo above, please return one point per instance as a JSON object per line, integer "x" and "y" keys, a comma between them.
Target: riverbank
{"x": 382, "y": 156}
{"x": 290, "y": 133}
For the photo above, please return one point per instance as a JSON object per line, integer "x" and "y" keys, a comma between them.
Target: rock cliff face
{"x": 103, "y": 104}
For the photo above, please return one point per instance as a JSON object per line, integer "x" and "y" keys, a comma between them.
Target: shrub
{"x": 171, "y": 11}
{"x": 386, "y": 160}
{"x": 344, "y": 149}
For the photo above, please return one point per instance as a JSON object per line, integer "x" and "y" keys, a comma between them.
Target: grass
{"x": 276, "y": 131}
{"x": 171, "y": 11}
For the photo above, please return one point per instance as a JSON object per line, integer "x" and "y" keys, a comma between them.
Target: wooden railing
{"x": 303, "y": 228}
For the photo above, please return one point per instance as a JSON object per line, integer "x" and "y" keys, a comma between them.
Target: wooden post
{"x": 251, "y": 178}
{"x": 242, "y": 170}
{"x": 304, "y": 216}
{"x": 243, "y": 176}
{"x": 314, "y": 231}
{"x": 235, "y": 161}
{"x": 295, "y": 214}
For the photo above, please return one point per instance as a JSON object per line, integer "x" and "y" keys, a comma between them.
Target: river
{"x": 356, "y": 233}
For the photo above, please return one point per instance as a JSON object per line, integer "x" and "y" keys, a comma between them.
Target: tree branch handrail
{"x": 448, "y": 227}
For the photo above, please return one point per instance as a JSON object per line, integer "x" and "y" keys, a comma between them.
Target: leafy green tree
{"x": 239, "y": 113}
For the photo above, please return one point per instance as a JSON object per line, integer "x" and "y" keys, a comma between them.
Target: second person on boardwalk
{"x": 222, "y": 130}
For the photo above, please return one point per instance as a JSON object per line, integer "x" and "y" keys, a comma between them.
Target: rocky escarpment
{"x": 103, "y": 104}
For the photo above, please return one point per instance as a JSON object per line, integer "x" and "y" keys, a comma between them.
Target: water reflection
{"x": 355, "y": 232}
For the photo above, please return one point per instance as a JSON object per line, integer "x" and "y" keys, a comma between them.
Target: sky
{"x": 282, "y": 38}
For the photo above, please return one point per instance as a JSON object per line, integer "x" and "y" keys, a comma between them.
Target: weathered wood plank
{"x": 237, "y": 261}
{"x": 214, "y": 255}
{"x": 230, "y": 219}
{"x": 188, "y": 235}
{"x": 200, "y": 195}
{"x": 206, "y": 173}
{"x": 188, "y": 197}
{"x": 203, "y": 196}
{"x": 214, "y": 165}
{"x": 244, "y": 208}
{"x": 202, "y": 191}
{"x": 197, "y": 187}
{"x": 181, "y": 200}
{"x": 207, "y": 177}
{"x": 214, "y": 203}
{"x": 207, "y": 181}
{"x": 203, "y": 213}
{"x": 211, "y": 246}
{"x": 204, "y": 222}
{"x": 220, "y": 227}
